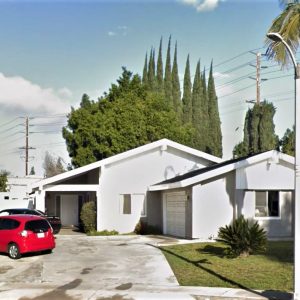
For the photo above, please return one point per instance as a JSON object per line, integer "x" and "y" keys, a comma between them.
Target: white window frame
{"x": 144, "y": 206}
{"x": 122, "y": 201}
{"x": 267, "y": 204}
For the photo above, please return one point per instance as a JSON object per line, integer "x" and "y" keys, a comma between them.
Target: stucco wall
{"x": 267, "y": 174}
{"x": 133, "y": 176}
{"x": 213, "y": 205}
{"x": 6, "y": 201}
{"x": 275, "y": 227}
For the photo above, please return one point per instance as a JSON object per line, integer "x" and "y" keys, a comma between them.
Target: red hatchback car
{"x": 25, "y": 233}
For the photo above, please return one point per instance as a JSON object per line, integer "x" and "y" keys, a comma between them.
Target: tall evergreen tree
{"x": 259, "y": 131}
{"x": 199, "y": 142}
{"x": 187, "y": 94}
{"x": 215, "y": 132}
{"x": 159, "y": 70}
{"x": 168, "y": 77}
{"x": 151, "y": 71}
{"x": 145, "y": 72}
{"x": 176, "y": 93}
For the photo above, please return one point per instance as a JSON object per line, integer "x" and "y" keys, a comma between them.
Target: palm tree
{"x": 287, "y": 24}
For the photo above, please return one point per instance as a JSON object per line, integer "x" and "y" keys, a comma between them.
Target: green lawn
{"x": 205, "y": 264}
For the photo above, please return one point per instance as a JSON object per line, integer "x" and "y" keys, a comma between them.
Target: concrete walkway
{"x": 116, "y": 267}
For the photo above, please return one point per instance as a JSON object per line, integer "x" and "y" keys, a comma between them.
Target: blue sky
{"x": 54, "y": 51}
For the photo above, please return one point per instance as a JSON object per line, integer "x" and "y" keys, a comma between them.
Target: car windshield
{"x": 37, "y": 225}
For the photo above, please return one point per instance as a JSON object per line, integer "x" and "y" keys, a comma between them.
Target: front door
{"x": 69, "y": 210}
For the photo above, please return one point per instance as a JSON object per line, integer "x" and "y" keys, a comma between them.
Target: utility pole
{"x": 257, "y": 78}
{"x": 258, "y": 56}
{"x": 26, "y": 148}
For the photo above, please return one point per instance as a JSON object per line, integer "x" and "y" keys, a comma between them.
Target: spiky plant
{"x": 243, "y": 237}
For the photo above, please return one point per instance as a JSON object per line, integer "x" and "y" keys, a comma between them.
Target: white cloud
{"x": 203, "y": 5}
{"x": 220, "y": 75}
{"x": 111, "y": 33}
{"x": 120, "y": 30}
{"x": 19, "y": 95}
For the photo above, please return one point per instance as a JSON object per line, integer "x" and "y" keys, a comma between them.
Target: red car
{"x": 25, "y": 233}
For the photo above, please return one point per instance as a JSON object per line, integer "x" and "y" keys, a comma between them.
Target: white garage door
{"x": 175, "y": 214}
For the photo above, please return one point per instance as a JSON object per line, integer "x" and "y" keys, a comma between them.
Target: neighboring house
{"x": 119, "y": 185}
{"x": 17, "y": 195}
{"x": 260, "y": 187}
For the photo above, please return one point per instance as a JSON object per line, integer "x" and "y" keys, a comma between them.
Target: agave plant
{"x": 243, "y": 237}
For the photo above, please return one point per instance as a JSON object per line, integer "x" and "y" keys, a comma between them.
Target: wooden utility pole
{"x": 258, "y": 56}
{"x": 26, "y": 148}
{"x": 257, "y": 78}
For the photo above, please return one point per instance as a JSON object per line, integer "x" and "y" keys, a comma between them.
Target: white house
{"x": 260, "y": 187}
{"x": 179, "y": 190}
{"x": 119, "y": 185}
{"x": 17, "y": 195}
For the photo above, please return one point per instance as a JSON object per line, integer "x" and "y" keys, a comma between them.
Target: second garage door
{"x": 175, "y": 211}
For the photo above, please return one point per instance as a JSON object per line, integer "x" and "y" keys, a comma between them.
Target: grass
{"x": 206, "y": 264}
{"x": 102, "y": 233}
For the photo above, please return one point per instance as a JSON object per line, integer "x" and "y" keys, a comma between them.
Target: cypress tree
{"x": 176, "y": 94}
{"x": 159, "y": 70}
{"x": 214, "y": 116}
{"x": 168, "y": 77}
{"x": 187, "y": 93}
{"x": 196, "y": 109}
{"x": 151, "y": 71}
{"x": 259, "y": 131}
{"x": 145, "y": 72}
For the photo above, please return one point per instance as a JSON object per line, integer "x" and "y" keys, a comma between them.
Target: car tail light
{"x": 24, "y": 233}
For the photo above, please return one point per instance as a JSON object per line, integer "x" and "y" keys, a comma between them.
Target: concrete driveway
{"x": 117, "y": 262}
{"x": 97, "y": 268}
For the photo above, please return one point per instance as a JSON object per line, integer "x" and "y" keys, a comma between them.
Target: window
{"x": 37, "y": 225}
{"x": 8, "y": 224}
{"x": 126, "y": 204}
{"x": 144, "y": 208}
{"x": 267, "y": 204}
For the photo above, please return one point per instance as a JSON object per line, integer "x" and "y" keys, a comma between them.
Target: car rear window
{"x": 7, "y": 224}
{"x": 37, "y": 225}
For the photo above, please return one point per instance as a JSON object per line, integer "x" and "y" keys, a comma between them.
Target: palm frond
{"x": 287, "y": 24}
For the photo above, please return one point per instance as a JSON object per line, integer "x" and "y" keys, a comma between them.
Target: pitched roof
{"x": 205, "y": 173}
{"x": 163, "y": 143}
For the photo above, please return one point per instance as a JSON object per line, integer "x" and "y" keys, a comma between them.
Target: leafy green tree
{"x": 168, "y": 77}
{"x": 176, "y": 94}
{"x": 287, "y": 24}
{"x": 129, "y": 118}
{"x": 3, "y": 180}
{"x": 287, "y": 143}
{"x": 214, "y": 122}
{"x": 187, "y": 94}
{"x": 159, "y": 70}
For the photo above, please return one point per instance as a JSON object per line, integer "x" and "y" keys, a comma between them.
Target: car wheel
{"x": 13, "y": 251}
{"x": 49, "y": 251}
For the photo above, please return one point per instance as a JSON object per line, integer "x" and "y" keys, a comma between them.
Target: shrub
{"x": 144, "y": 228}
{"x": 243, "y": 237}
{"x": 88, "y": 216}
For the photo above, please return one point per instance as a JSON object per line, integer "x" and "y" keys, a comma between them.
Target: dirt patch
{"x": 125, "y": 286}
{"x": 4, "y": 269}
{"x": 115, "y": 297}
